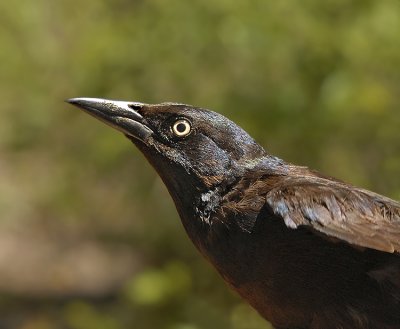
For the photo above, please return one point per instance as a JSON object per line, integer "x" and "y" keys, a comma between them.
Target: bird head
{"x": 195, "y": 151}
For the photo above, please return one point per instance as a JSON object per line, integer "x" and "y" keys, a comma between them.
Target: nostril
{"x": 135, "y": 107}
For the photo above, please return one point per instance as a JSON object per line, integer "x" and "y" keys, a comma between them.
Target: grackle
{"x": 305, "y": 250}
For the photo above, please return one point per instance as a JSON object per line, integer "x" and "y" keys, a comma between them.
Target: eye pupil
{"x": 180, "y": 127}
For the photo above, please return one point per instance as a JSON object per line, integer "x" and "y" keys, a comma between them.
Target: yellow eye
{"x": 181, "y": 128}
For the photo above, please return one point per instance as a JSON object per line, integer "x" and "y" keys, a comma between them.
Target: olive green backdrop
{"x": 89, "y": 237}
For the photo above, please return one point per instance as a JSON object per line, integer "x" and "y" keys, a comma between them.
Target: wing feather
{"x": 357, "y": 216}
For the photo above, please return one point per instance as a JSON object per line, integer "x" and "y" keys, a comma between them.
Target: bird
{"x": 307, "y": 251}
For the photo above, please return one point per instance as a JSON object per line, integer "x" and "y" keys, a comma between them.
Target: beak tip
{"x": 73, "y": 101}
{"x": 83, "y": 102}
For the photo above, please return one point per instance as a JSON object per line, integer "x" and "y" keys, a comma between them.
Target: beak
{"x": 122, "y": 116}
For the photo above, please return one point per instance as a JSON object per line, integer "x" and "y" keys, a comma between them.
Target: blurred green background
{"x": 89, "y": 237}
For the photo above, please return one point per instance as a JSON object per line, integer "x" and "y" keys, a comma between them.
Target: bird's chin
{"x": 137, "y": 141}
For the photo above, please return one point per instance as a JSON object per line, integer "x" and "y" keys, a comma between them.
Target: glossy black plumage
{"x": 305, "y": 250}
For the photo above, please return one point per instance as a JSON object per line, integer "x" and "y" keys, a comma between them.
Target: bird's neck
{"x": 198, "y": 202}
{"x": 208, "y": 203}
{"x": 202, "y": 218}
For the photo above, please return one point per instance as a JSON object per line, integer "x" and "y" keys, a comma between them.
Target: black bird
{"x": 305, "y": 250}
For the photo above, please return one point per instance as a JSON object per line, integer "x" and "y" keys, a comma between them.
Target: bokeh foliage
{"x": 316, "y": 82}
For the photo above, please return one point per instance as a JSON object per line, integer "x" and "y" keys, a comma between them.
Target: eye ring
{"x": 181, "y": 128}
